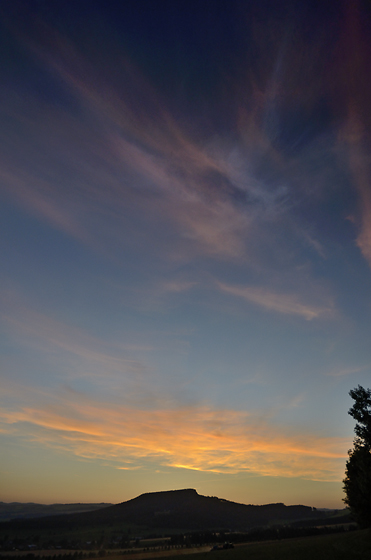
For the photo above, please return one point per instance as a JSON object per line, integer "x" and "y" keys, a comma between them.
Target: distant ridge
{"x": 180, "y": 509}
{"x": 18, "y": 510}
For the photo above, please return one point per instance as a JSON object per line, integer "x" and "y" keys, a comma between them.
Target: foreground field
{"x": 349, "y": 546}
{"x": 355, "y": 545}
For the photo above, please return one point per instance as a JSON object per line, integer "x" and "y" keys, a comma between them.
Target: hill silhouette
{"x": 178, "y": 509}
{"x": 19, "y": 510}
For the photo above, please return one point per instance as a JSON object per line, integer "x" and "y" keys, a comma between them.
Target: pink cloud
{"x": 288, "y": 304}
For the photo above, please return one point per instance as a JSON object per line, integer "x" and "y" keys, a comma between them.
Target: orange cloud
{"x": 196, "y": 438}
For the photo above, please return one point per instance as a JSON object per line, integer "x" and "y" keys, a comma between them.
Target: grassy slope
{"x": 355, "y": 545}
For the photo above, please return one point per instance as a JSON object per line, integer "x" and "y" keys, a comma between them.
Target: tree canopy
{"x": 357, "y": 482}
{"x": 361, "y": 412}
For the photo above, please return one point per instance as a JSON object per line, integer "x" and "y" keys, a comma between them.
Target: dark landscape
{"x": 17, "y": 510}
{"x": 177, "y": 509}
{"x": 157, "y": 523}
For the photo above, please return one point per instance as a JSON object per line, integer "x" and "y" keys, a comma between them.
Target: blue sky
{"x": 186, "y": 248}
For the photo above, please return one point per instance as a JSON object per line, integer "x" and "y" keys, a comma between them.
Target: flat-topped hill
{"x": 180, "y": 509}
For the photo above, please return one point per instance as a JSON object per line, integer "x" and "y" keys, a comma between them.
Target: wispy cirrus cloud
{"x": 106, "y": 145}
{"x": 354, "y": 57}
{"x": 196, "y": 438}
{"x": 42, "y": 331}
{"x": 343, "y": 371}
{"x": 288, "y": 304}
{"x": 72, "y": 354}
{"x": 123, "y": 153}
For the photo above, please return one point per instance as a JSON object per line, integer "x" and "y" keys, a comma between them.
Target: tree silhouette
{"x": 357, "y": 482}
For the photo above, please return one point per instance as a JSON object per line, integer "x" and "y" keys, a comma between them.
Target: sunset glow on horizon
{"x": 186, "y": 248}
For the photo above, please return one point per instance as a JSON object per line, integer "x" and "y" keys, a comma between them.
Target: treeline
{"x": 289, "y": 532}
{"x": 187, "y": 540}
{"x": 77, "y": 555}
{"x": 259, "y": 534}
{"x": 84, "y": 555}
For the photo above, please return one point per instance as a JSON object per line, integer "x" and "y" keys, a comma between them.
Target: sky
{"x": 185, "y": 247}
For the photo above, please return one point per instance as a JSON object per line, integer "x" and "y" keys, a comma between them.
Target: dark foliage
{"x": 357, "y": 482}
{"x": 361, "y": 412}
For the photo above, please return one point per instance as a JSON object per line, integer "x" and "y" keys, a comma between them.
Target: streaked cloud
{"x": 122, "y": 159}
{"x": 341, "y": 371}
{"x": 198, "y": 438}
{"x": 289, "y": 304}
{"x": 354, "y": 57}
{"x": 46, "y": 333}
{"x": 177, "y": 286}
{"x": 181, "y": 174}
